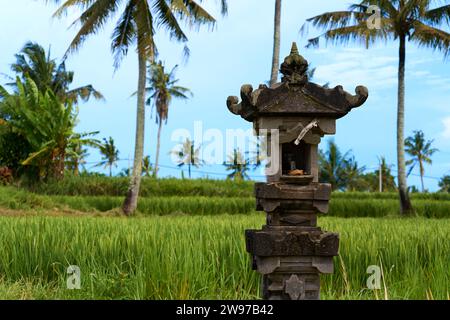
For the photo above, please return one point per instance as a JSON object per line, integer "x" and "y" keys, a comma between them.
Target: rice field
{"x": 203, "y": 257}
{"x": 187, "y": 242}
{"x": 168, "y": 187}
{"x": 341, "y": 205}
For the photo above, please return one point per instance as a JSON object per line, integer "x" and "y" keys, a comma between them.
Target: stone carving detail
{"x": 291, "y": 251}
{"x": 295, "y": 288}
{"x": 294, "y": 69}
{"x": 295, "y": 220}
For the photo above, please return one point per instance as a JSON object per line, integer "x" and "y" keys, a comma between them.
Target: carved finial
{"x": 294, "y": 49}
{"x": 294, "y": 69}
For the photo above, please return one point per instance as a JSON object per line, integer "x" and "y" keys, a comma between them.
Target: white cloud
{"x": 420, "y": 74}
{"x": 355, "y": 66}
{"x": 375, "y": 68}
{"x": 446, "y": 132}
{"x": 431, "y": 80}
{"x": 438, "y": 82}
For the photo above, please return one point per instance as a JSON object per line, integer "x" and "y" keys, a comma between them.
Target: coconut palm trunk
{"x": 405, "y": 202}
{"x": 276, "y": 43}
{"x": 76, "y": 169}
{"x": 130, "y": 203}
{"x": 192, "y": 159}
{"x": 422, "y": 172}
{"x": 158, "y": 146}
{"x": 137, "y": 25}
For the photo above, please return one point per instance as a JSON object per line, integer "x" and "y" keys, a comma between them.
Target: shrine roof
{"x": 295, "y": 95}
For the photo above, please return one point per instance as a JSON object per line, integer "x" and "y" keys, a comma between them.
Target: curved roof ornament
{"x": 295, "y": 95}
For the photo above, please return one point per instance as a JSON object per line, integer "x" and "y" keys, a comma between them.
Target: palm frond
{"x": 197, "y": 14}
{"x": 180, "y": 92}
{"x": 336, "y": 19}
{"x": 124, "y": 34}
{"x": 438, "y": 15}
{"x": 92, "y": 20}
{"x": 68, "y": 4}
{"x": 430, "y": 37}
{"x": 165, "y": 18}
{"x": 358, "y": 33}
{"x": 84, "y": 93}
{"x": 411, "y": 168}
{"x": 145, "y": 31}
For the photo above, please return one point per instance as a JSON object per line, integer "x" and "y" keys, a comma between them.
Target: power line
{"x": 411, "y": 174}
{"x": 178, "y": 168}
{"x": 255, "y": 176}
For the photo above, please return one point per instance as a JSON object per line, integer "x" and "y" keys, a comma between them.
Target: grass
{"x": 187, "y": 242}
{"x": 150, "y": 187}
{"x": 340, "y": 206}
{"x": 203, "y": 257}
{"x": 117, "y": 187}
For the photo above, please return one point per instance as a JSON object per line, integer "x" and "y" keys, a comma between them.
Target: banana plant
{"x": 46, "y": 123}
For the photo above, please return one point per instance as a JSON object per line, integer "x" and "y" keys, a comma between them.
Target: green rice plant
{"x": 441, "y": 196}
{"x": 204, "y": 257}
{"x": 13, "y": 198}
{"x": 118, "y": 186}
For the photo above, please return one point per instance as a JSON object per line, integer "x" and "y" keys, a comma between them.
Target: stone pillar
{"x": 291, "y": 251}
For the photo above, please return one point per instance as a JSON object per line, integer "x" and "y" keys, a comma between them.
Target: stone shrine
{"x": 291, "y": 251}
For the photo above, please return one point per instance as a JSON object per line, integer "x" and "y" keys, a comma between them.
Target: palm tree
{"x": 77, "y": 154}
{"x": 125, "y": 172}
{"x": 352, "y": 173}
{"x": 110, "y": 154}
{"x": 162, "y": 88}
{"x": 76, "y": 157}
{"x": 444, "y": 184}
{"x": 420, "y": 151}
{"x": 33, "y": 62}
{"x": 413, "y": 20}
{"x": 45, "y": 122}
{"x": 387, "y": 179}
{"x": 260, "y": 155}
{"x": 147, "y": 167}
{"x": 333, "y": 166}
{"x": 238, "y": 165}
{"x": 276, "y": 44}
{"x": 136, "y": 25}
{"x": 188, "y": 155}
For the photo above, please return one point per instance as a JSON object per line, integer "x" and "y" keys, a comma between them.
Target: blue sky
{"x": 239, "y": 51}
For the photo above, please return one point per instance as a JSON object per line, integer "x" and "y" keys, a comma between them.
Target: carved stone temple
{"x": 291, "y": 251}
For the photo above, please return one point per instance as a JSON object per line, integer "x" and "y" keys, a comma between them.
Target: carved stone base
{"x": 291, "y": 251}
{"x": 266, "y": 243}
{"x": 292, "y": 278}
{"x": 285, "y": 286}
